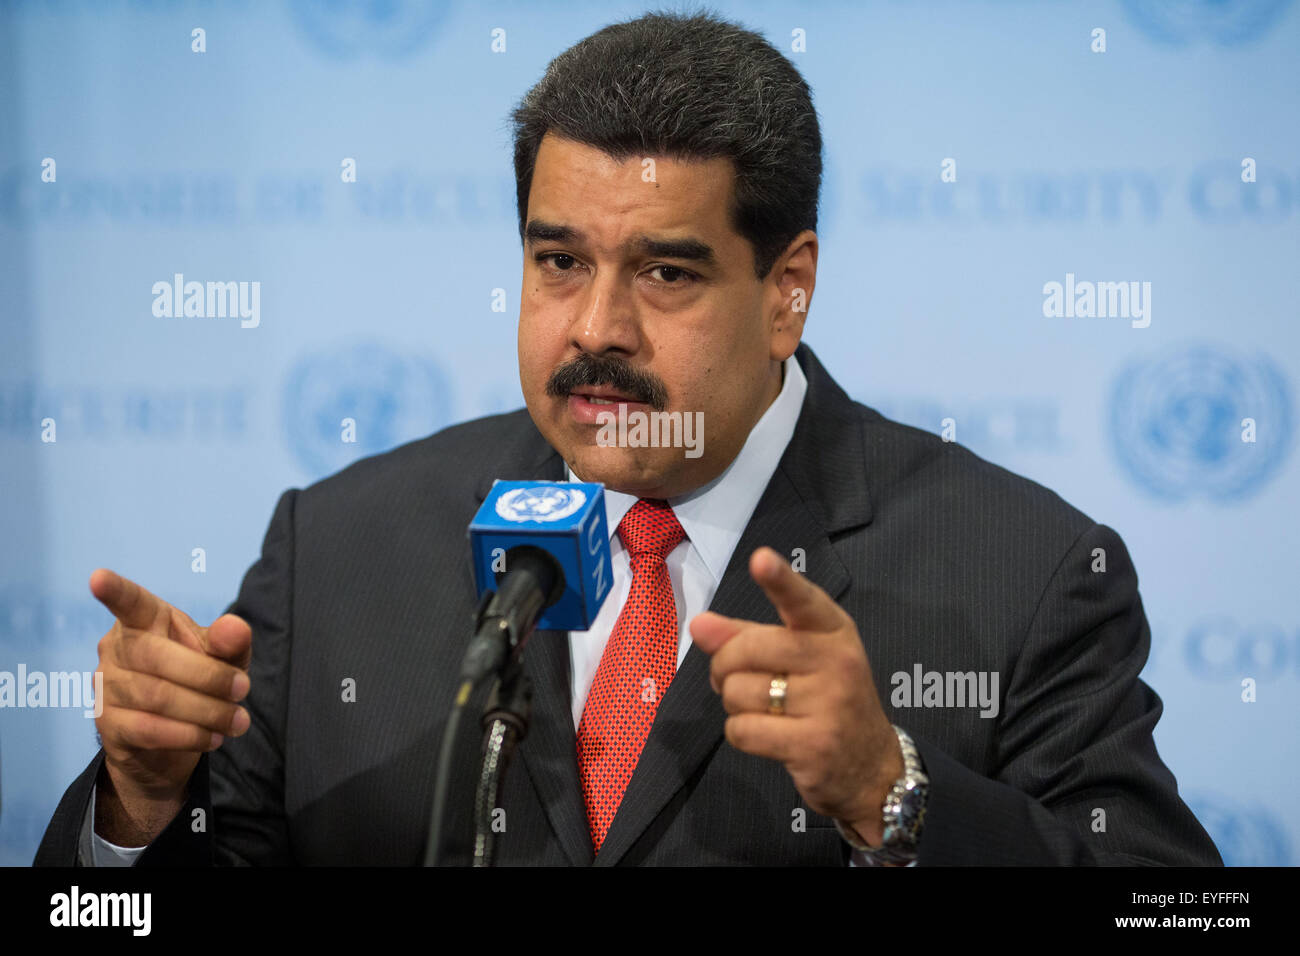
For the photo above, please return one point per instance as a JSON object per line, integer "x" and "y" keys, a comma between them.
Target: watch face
{"x": 911, "y": 809}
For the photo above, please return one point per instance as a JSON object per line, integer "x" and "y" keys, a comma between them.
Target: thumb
{"x": 231, "y": 639}
{"x": 710, "y": 631}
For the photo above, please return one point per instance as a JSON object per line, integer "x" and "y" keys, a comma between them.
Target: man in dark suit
{"x": 909, "y": 655}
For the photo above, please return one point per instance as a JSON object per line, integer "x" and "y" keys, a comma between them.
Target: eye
{"x": 673, "y": 275}
{"x": 563, "y": 261}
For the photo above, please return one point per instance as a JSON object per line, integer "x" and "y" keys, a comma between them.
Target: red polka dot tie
{"x": 639, "y": 662}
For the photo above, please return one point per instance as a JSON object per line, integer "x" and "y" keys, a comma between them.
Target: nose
{"x": 606, "y": 320}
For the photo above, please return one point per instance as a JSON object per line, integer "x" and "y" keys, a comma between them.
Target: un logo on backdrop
{"x": 1178, "y": 22}
{"x": 348, "y": 403}
{"x": 346, "y": 29}
{"x": 1177, "y": 428}
{"x": 1245, "y": 836}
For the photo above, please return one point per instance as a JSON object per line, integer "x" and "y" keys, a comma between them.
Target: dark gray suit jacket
{"x": 942, "y": 559}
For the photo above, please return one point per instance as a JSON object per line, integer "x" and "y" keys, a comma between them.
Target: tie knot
{"x": 650, "y": 527}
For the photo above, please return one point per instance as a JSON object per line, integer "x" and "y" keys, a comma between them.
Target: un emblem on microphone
{"x": 351, "y": 402}
{"x": 1201, "y": 422}
{"x": 540, "y": 503}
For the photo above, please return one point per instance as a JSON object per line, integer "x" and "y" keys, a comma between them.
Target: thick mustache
{"x": 591, "y": 371}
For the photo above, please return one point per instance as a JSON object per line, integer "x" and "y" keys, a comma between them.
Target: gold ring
{"x": 776, "y": 695}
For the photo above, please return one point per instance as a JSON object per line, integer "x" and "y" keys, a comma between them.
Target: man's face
{"x": 640, "y": 290}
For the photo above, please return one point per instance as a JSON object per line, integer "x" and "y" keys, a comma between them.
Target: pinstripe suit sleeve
{"x": 247, "y": 773}
{"x": 1075, "y": 738}
{"x": 243, "y": 779}
{"x": 238, "y": 789}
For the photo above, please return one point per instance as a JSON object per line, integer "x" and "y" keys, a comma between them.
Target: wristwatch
{"x": 903, "y": 811}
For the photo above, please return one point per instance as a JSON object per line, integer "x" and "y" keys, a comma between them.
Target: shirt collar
{"x": 715, "y": 515}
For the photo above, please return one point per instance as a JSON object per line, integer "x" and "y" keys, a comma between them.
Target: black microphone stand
{"x": 505, "y": 723}
{"x": 501, "y": 628}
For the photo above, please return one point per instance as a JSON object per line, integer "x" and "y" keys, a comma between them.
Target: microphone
{"x": 544, "y": 547}
{"x": 541, "y": 550}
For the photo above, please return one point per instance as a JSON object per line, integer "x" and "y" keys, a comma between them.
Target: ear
{"x": 789, "y": 292}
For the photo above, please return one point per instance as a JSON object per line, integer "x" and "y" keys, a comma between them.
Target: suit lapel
{"x": 688, "y": 726}
{"x": 549, "y": 752}
{"x": 817, "y": 489}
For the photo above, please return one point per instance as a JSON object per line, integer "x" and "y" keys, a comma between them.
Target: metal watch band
{"x": 903, "y": 811}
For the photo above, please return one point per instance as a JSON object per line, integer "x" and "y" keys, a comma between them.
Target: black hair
{"x": 687, "y": 86}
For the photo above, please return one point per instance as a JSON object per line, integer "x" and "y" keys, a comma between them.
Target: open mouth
{"x": 605, "y": 397}
{"x": 586, "y": 406}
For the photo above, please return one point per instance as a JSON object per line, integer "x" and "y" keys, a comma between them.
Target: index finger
{"x": 802, "y": 605}
{"x": 128, "y": 602}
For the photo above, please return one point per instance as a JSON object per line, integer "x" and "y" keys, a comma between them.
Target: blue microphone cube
{"x": 565, "y": 519}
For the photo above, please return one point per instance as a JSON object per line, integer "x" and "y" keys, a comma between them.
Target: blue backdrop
{"x": 1162, "y": 151}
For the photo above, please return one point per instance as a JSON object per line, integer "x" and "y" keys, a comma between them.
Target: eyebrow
{"x": 693, "y": 250}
